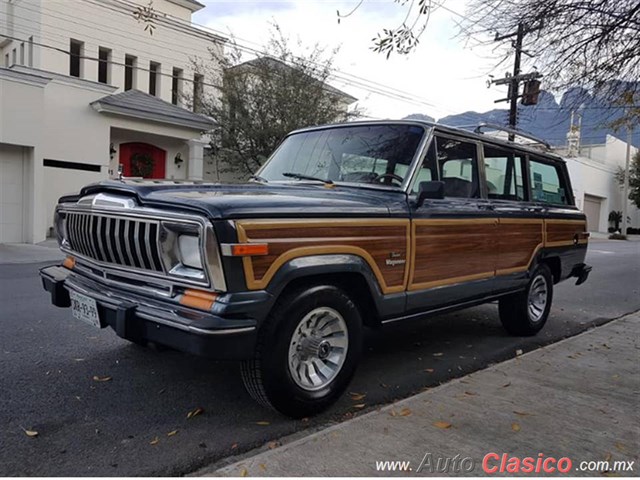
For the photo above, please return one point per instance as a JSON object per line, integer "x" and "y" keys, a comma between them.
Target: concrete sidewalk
{"x": 47, "y": 251}
{"x": 578, "y": 398}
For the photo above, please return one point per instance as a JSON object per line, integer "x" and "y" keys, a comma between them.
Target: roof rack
{"x": 478, "y": 129}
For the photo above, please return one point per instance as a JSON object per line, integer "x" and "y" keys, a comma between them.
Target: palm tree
{"x": 615, "y": 217}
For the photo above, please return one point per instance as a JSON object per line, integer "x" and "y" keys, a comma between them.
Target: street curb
{"x": 291, "y": 441}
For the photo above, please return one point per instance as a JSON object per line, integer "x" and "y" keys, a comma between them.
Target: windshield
{"x": 370, "y": 154}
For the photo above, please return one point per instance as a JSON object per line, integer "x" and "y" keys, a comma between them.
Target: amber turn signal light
{"x": 198, "y": 299}
{"x": 69, "y": 263}
{"x": 249, "y": 249}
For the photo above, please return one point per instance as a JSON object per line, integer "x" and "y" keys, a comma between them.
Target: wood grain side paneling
{"x": 452, "y": 251}
{"x": 560, "y": 233}
{"x": 519, "y": 239}
{"x": 373, "y": 240}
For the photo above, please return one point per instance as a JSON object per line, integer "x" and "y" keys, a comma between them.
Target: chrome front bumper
{"x": 143, "y": 319}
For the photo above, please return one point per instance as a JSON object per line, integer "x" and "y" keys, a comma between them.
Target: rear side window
{"x": 503, "y": 171}
{"x": 458, "y": 166}
{"x": 547, "y": 183}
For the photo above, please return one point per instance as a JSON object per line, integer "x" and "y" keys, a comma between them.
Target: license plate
{"x": 84, "y": 308}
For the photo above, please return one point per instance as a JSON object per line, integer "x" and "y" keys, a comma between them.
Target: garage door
{"x": 592, "y": 211}
{"x": 11, "y": 191}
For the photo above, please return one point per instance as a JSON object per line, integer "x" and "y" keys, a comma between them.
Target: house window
{"x": 22, "y": 53}
{"x": 75, "y": 57}
{"x": 176, "y": 85}
{"x": 129, "y": 71}
{"x": 31, "y": 51}
{"x": 104, "y": 65}
{"x": 198, "y": 84}
{"x": 6, "y": 60}
{"x": 14, "y": 58}
{"x": 154, "y": 78}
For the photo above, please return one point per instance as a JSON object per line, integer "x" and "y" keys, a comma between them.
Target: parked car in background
{"x": 345, "y": 227}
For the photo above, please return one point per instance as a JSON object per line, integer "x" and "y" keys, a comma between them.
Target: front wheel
{"x": 307, "y": 352}
{"x": 525, "y": 313}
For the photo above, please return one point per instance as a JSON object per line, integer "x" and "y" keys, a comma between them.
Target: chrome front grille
{"x": 132, "y": 242}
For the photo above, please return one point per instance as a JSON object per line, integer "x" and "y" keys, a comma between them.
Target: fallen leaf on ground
{"x": 244, "y": 472}
{"x": 405, "y": 412}
{"x": 31, "y": 433}
{"x": 518, "y": 352}
{"x": 360, "y": 405}
{"x": 262, "y": 467}
{"x": 393, "y": 413}
{"x": 272, "y": 445}
{"x": 155, "y": 441}
{"x": 172, "y": 433}
{"x": 429, "y": 370}
{"x": 515, "y": 427}
{"x": 96, "y": 378}
{"x": 443, "y": 425}
{"x": 234, "y": 446}
{"x": 439, "y": 354}
{"x": 195, "y": 412}
{"x": 262, "y": 423}
{"x": 470, "y": 393}
{"x": 357, "y": 396}
{"x": 621, "y": 446}
{"x": 522, "y": 414}
{"x": 506, "y": 385}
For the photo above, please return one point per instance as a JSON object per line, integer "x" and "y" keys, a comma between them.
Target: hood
{"x": 255, "y": 200}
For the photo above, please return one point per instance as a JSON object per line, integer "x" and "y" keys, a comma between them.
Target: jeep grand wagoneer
{"x": 345, "y": 226}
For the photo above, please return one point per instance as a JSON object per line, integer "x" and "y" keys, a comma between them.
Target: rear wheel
{"x": 525, "y": 313}
{"x": 307, "y": 351}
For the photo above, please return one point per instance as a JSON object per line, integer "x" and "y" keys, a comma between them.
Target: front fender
{"x": 318, "y": 265}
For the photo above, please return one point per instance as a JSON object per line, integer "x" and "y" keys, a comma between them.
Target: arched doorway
{"x": 142, "y": 160}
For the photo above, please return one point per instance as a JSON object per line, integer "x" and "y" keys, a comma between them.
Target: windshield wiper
{"x": 301, "y": 176}
{"x": 258, "y": 178}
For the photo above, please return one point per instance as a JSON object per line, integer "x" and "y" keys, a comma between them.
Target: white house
{"x": 84, "y": 87}
{"x": 593, "y": 171}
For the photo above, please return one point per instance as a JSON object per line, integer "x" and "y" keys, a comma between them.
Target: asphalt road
{"x": 120, "y": 427}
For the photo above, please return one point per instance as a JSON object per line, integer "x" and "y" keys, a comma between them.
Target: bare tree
{"x": 261, "y": 100}
{"x": 577, "y": 43}
{"x": 593, "y": 44}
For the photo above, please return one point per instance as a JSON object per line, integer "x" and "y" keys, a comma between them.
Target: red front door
{"x": 142, "y": 160}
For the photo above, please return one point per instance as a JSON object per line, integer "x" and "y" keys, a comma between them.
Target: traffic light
{"x": 531, "y": 92}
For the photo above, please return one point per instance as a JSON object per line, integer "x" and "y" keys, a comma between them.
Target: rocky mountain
{"x": 550, "y": 119}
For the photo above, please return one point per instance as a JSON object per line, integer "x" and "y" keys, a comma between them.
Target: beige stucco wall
{"x": 56, "y": 22}
{"x": 593, "y": 172}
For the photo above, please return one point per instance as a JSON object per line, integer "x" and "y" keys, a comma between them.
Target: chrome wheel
{"x": 318, "y": 348}
{"x": 537, "y": 299}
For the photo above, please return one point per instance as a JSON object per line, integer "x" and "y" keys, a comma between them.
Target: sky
{"x": 444, "y": 72}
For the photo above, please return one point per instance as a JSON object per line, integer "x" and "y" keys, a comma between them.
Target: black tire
{"x": 517, "y": 314}
{"x": 267, "y": 377}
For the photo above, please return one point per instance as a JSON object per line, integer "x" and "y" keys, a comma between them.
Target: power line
{"x": 352, "y": 82}
{"x": 256, "y": 51}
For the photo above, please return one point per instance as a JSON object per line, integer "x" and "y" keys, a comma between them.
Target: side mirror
{"x": 432, "y": 190}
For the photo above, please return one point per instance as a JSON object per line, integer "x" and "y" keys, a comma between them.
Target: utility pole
{"x": 625, "y": 188}
{"x": 513, "y": 80}
{"x": 514, "y": 86}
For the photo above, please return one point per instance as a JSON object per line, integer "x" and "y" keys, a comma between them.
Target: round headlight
{"x": 189, "y": 247}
